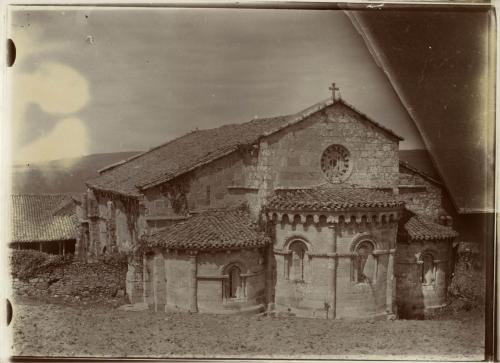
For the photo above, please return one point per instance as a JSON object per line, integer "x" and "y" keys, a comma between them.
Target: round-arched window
{"x": 365, "y": 263}
{"x": 428, "y": 269}
{"x": 296, "y": 260}
{"x": 336, "y": 163}
{"x": 234, "y": 282}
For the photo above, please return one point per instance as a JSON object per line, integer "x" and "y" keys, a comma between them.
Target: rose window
{"x": 336, "y": 163}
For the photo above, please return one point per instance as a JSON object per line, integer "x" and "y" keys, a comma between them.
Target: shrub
{"x": 26, "y": 264}
{"x": 115, "y": 259}
{"x": 467, "y": 288}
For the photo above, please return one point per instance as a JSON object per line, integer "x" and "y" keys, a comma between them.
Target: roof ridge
{"x": 255, "y": 120}
{"x": 133, "y": 157}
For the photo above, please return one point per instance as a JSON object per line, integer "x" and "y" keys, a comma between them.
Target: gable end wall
{"x": 294, "y": 153}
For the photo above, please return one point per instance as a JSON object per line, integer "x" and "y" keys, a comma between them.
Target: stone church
{"x": 310, "y": 213}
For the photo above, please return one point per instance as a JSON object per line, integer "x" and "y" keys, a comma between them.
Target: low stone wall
{"x": 76, "y": 281}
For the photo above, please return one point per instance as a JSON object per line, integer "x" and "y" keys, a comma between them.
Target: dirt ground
{"x": 54, "y": 329}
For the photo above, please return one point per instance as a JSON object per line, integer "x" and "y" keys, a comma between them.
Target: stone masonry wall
{"x": 166, "y": 280}
{"x": 295, "y": 152}
{"x": 212, "y": 266}
{"x": 352, "y": 298}
{"x": 228, "y": 181}
{"x": 426, "y": 201}
{"x": 107, "y": 212}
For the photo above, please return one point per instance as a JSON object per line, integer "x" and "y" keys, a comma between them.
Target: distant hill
{"x": 70, "y": 175}
{"x": 63, "y": 175}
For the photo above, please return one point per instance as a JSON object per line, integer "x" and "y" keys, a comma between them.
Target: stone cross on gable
{"x": 334, "y": 90}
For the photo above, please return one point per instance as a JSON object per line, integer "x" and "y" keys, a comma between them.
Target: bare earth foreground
{"x": 42, "y": 329}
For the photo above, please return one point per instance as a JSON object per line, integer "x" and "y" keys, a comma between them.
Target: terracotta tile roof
{"x": 42, "y": 218}
{"x": 210, "y": 230}
{"x": 169, "y": 160}
{"x": 326, "y": 199}
{"x": 419, "y": 227}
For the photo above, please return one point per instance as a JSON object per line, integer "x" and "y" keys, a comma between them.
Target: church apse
{"x": 337, "y": 260}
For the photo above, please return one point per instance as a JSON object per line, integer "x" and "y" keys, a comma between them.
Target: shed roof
{"x": 327, "y": 199}
{"x": 176, "y": 157}
{"x": 423, "y": 228}
{"x": 216, "y": 229}
{"x": 43, "y": 218}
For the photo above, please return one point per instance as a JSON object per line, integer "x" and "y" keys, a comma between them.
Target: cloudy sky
{"x": 93, "y": 80}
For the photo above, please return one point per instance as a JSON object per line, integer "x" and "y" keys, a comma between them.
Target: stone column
{"x": 390, "y": 291}
{"x": 154, "y": 283}
{"x": 78, "y": 241}
{"x": 440, "y": 281}
{"x": 165, "y": 266}
{"x": 332, "y": 281}
{"x": 193, "y": 285}
{"x": 158, "y": 281}
{"x": 145, "y": 279}
{"x": 269, "y": 277}
{"x": 134, "y": 279}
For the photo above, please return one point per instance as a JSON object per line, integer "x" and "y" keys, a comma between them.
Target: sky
{"x": 94, "y": 80}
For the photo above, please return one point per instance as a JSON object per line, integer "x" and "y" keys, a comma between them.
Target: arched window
{"x": 365, "y": 264}
{"x": 234, "y": 282}
{"x": 296, "y": 260}
{"x": 233, "y": 286}
{"x": 428, "y": 269}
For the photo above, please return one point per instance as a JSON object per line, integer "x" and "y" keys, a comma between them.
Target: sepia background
{"x": 94, "y": 85}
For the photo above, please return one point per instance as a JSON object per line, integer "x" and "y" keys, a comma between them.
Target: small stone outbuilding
{"x": 44, "y": 222}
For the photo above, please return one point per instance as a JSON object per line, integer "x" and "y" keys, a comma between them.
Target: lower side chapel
{"x": 311, "y": 213}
